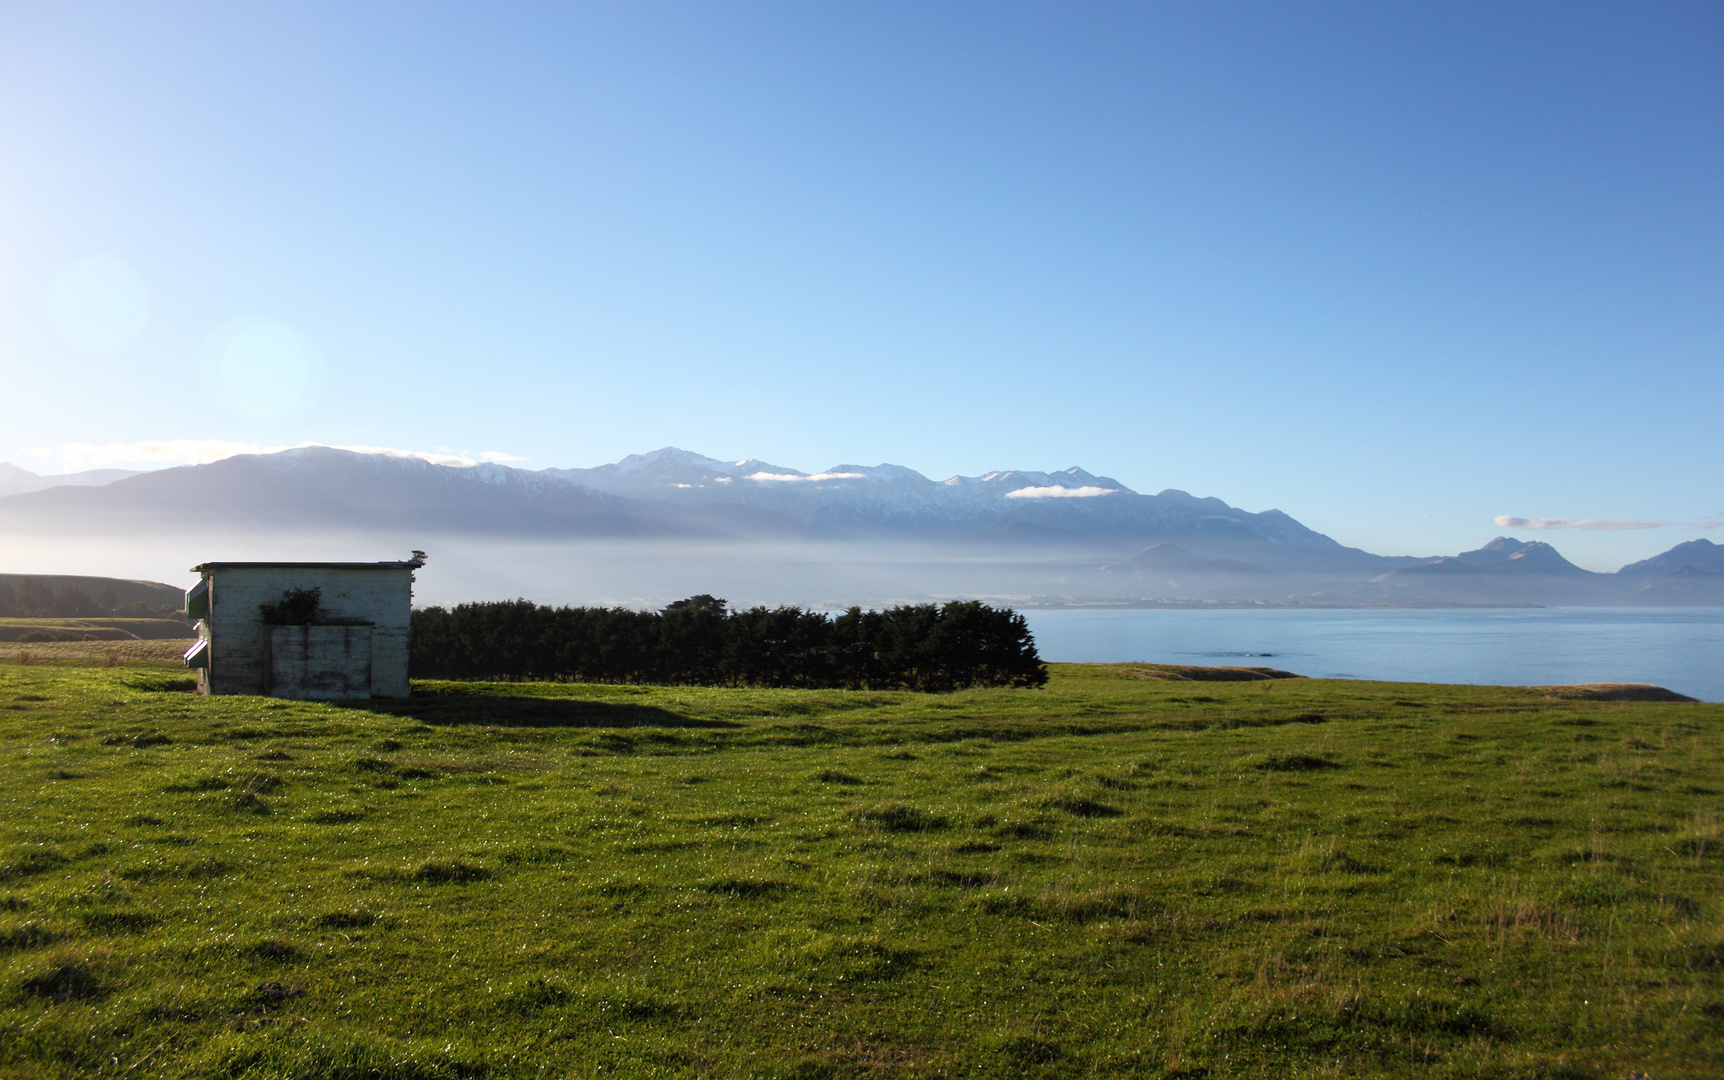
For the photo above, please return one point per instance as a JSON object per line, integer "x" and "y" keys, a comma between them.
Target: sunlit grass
{"x": 1111, "y": 876}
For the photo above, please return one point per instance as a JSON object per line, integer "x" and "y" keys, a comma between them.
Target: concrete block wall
{"x": 320, "y": 663}
{"x": 239, "y": 640}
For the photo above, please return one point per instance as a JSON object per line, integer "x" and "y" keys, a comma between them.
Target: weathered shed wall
{"x": 239, "y": 640}
{"x": 320, "y": 663}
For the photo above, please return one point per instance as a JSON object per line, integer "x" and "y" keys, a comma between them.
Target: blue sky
{"x": 1394, "y": 269}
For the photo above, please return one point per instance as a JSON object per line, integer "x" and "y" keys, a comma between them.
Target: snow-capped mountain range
{"x": 1069, "y": 534}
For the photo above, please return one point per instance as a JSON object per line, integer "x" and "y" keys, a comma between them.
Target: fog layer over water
{"x": 1682, "y": 649}
{"x": 633, "y": 573}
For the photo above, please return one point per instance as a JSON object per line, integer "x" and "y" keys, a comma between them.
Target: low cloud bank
{"x": 150, "y": 453}
{"x": 162, "y": 453}
{"x": 435, "y": 457}
{"x": 811, "y": 478}
{"x": 1507, "y": 521}
{"x": 1087, "y": 492}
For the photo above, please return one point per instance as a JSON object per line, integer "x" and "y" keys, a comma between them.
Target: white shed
{"x": 322, "y": 630}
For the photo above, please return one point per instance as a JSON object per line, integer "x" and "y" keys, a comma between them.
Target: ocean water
{"x": 1678, "y": 648}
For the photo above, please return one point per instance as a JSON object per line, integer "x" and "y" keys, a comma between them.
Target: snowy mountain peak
{"x": 670, "y": 457}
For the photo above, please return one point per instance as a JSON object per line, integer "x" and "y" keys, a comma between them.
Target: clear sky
{"x": 1396, "y": 269}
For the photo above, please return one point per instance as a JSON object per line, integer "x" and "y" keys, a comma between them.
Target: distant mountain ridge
{"x": 16, "y": 481}
{"x": 1070, "y": 535}
{"x": 1028, "y": 508}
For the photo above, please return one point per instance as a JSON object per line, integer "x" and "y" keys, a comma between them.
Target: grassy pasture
{"x": 98, "y": 629}
{"x": 1117, "y": 875}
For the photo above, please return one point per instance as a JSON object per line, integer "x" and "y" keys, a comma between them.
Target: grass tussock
{"x": 451, "y": 872}
{"x": 897, "y": 817}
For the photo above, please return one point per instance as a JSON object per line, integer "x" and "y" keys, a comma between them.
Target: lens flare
{"x": 98, "y": 304}
{"x": 261, "y": 368}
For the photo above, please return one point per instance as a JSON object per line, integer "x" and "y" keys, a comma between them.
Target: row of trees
{"x": 32, "y": 599}
{"x": 700, "y": 641}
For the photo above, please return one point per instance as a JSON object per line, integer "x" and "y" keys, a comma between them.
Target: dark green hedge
{"x": 699, "y": 641}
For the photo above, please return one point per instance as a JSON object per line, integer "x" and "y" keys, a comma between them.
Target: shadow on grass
{"x": 452, "y": 709}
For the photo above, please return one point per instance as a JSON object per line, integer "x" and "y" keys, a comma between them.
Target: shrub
{"x": 700, "y": 641}
{"x": 296, "y": 607}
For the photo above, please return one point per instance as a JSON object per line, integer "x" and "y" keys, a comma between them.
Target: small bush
{"x": 296, "y": 607}
{"x": 700, "y": 641}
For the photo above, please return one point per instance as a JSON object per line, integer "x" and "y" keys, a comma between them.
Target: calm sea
{"x": 1682, "y": 649}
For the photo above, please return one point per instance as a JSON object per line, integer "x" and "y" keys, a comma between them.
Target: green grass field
{"x": 97, "y": 628}
{"x": 1114, "y": 876}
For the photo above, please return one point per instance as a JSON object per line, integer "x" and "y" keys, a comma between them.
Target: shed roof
{"x": 206, "y": 567}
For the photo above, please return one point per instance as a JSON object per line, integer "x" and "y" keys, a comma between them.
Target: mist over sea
{"x": 1681, "y": 649}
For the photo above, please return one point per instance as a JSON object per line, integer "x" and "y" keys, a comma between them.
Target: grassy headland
{"x": 1115, "y": 875}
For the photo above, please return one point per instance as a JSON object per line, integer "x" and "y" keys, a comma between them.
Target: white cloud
{"x": 793, "y": 477}
{"x": 153, "y": 453}
{"x": 162, "y": 453}
{"x": 1507, "y": 521}
{"x": 459, "y": 461}
{"x": 1087, "y": 492}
